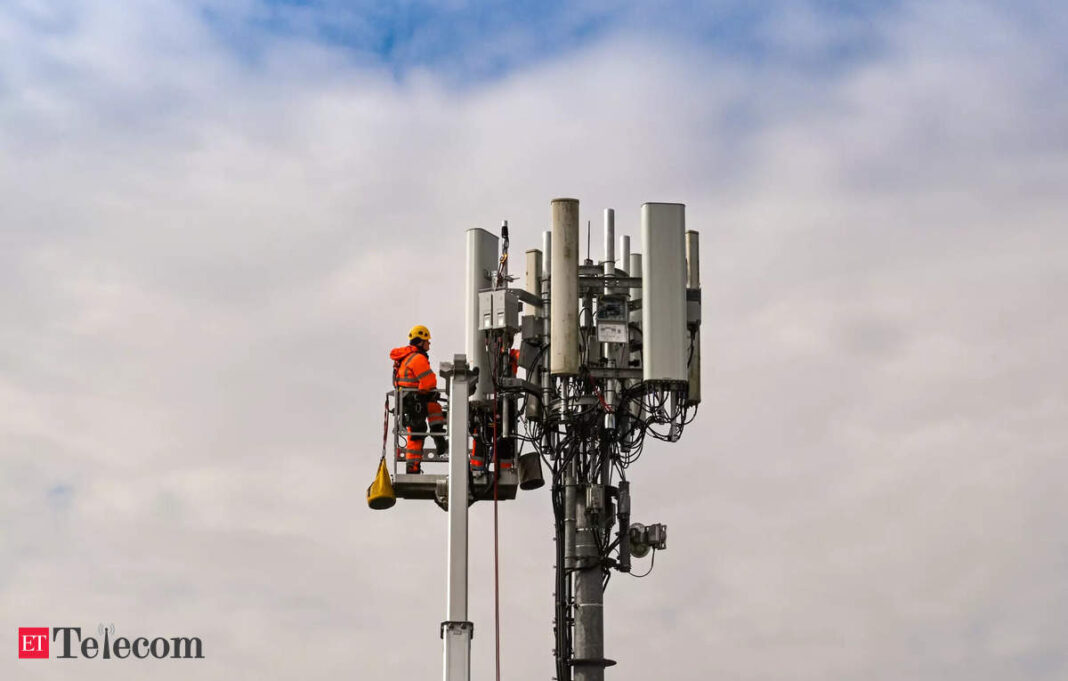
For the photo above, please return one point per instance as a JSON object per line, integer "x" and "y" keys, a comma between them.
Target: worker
{"x": 482, "y": 446}
{"x": 419, "y": 404}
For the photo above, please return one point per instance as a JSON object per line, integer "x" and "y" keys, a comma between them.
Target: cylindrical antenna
{"x": 589, "y": 231}
{"x": 532, "y": 282}
{"x": 563, "y": 282}
{"x": 623, "y": 256}
{"x": 609, "y": 236}
{"x": 546, "y": 254}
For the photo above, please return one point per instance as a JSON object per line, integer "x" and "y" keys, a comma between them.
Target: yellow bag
{"x": 380, "y": 494}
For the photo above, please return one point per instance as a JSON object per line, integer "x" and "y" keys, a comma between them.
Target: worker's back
{"x": 411, "y": 369}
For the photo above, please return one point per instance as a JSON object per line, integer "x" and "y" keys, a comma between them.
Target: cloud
{"x": 207, "y": 257}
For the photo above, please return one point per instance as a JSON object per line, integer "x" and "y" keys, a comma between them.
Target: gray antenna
{"x": 588, "y": 242}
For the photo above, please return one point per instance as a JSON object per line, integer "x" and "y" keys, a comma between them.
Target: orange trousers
{"x": 414, "y": 451}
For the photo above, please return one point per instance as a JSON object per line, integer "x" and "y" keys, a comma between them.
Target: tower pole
{"x": 589, "y": 596}
{"x": 456, "y": 630}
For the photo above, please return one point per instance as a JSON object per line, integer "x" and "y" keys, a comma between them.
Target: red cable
{"x": 496, "y": 550}
{"x": 385, "y": 427}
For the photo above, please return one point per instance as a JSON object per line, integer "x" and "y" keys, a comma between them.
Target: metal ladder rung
{"x": 428, "y": 455}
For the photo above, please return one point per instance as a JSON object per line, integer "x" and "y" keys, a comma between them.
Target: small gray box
{"x": 612, "y": 319}
{"x": 533, "y": 329}
{"x": 498, "y": 310}
{"x": 693, "y": 307}
{"x": 485, "y": 310}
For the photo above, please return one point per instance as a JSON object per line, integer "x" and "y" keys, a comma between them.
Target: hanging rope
{"x": 385, "y": 425}
{"x": 496, "y": 544}
{"x": 501, "y": 279}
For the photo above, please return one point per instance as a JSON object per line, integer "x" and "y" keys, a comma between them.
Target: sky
{"x": 216, "y": 218}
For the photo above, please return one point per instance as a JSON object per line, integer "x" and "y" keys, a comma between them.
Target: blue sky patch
{"x": 477, "y": 41}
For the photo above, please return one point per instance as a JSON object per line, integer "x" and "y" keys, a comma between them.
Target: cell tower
{"x": 605, "y": 355}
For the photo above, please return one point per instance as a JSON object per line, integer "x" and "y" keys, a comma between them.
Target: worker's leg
{"x": 436, "y": 420}
{"x": 506, "y": 453}
{"x": 415, "y": 417}
{"x": 414, "y": 452}
{"x": 478, "y": 456}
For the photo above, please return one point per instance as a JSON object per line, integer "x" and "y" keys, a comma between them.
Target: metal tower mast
{"x": 610, "y": 355}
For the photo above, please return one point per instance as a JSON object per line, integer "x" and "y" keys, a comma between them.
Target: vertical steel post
{"x": 570, "y": 495}
{"x": 609, "y": 350}
{"x": 589, "y": 590}
{"x": 456, "y": 630}
{"x": 546, "y": 311}
{"x": 589, "y": 597}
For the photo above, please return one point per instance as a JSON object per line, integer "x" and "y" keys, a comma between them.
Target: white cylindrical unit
{"x": 623, "y": 254}
{"x": 481, "y": 258}
{"x": 532, "y": 282}
{"x": 546, "y": 254}
{"x": 664, "y": 337}
{"x": 563, "y": 282}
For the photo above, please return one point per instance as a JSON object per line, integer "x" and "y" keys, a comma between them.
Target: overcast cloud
{"x": 208, "y": 218}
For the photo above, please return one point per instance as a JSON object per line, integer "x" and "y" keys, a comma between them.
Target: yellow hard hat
{"x": 419, "y": 331}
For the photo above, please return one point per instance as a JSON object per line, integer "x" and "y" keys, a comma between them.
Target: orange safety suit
{"x": 481, "y": 453}
{"x": 411, "y": 371}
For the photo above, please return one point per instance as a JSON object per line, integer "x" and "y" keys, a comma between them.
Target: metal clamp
{"x": 456, "y": 626}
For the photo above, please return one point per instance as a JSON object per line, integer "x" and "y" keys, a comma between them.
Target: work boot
{"x": 442, "y": 443}
{"x": 413, "y": 468}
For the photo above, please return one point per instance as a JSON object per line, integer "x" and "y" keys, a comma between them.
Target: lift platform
{"x": 436, "y": 487}
{"x": 433, "y": 485}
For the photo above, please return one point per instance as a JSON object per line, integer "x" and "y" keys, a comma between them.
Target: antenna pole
{"x": 457, "y": 631}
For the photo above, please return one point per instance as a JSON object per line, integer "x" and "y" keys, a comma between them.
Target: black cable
{"x": 652, "y": 561}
